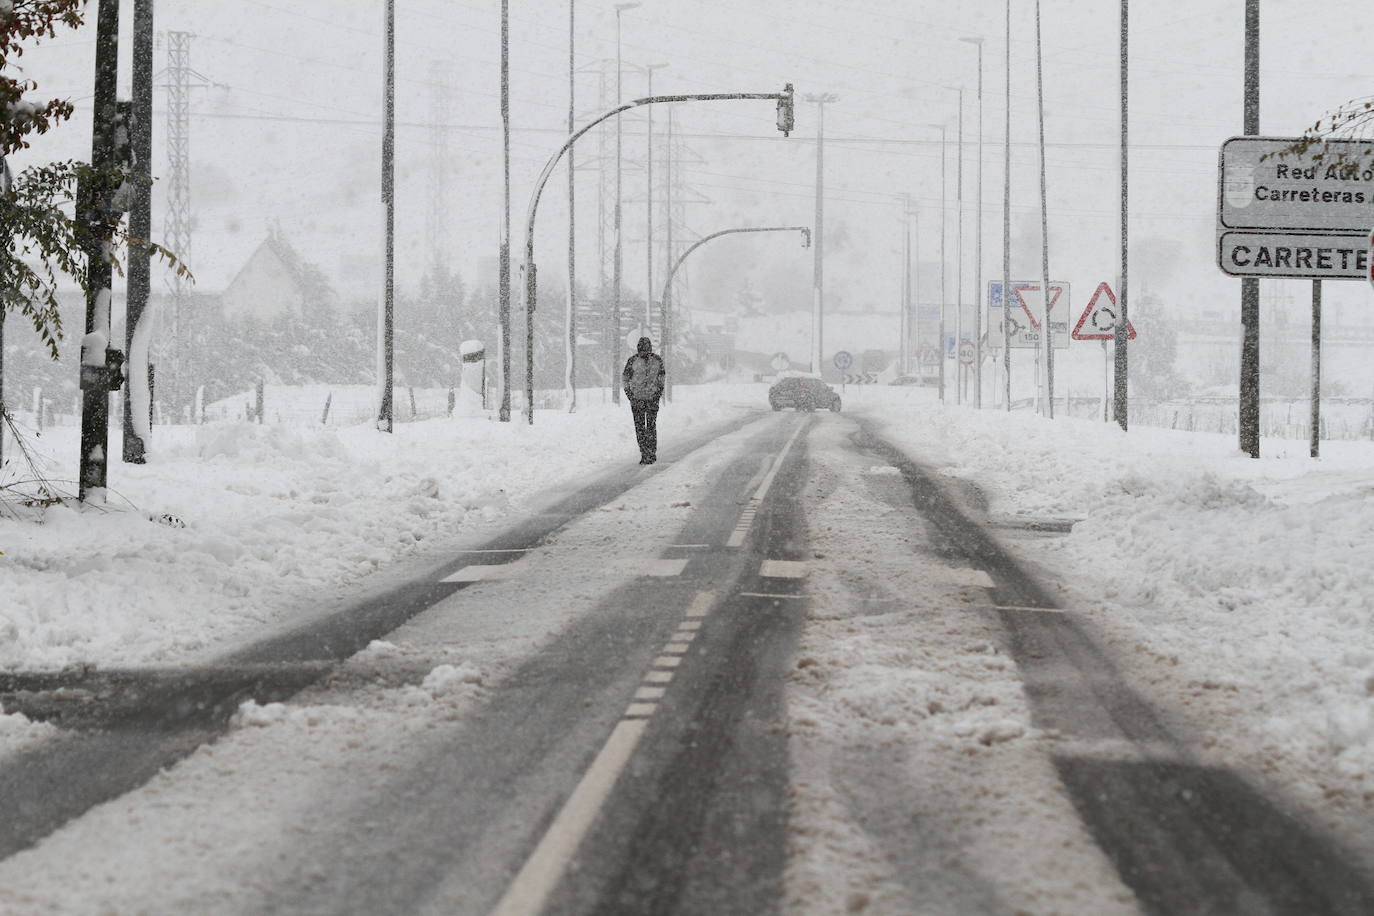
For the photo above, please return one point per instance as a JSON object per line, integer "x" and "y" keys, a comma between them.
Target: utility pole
{"x": 818, "y": 258}
{"x": 387, "y": 368}
{"x": 978, "y": 244}
{"x": 960, "y": 372}
{"x": 666, "y": 317}
{"x": 138, "y": 322}
{"x": 1249, "y": 286}
{"x": 616, "y": 262}
{"x": 503, "y": 307}
{"x": 944, "y": 205}
{"x": 1120, "y": 402}
{"x": 99, "y": 363}
{"x": 649, "y": 206}
{"x": 1006, "y": 227}
{"x": 571, "y": 360}
{"x": 1044, "y": 228}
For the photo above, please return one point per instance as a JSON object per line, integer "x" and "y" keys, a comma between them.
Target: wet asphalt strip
{"x": 1185, "y": 838}
{"x": 448, "y": 832}
{"x": 699, "y": 824}
{"x": 124, "y": 726}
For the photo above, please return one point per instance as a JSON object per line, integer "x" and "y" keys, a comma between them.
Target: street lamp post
{"x": 818, "y": 261}
{"x": 978, "y": 244}
{"x": 616, "y": 264}
{"x": 959, "y": 258}
{"x": 1006, "y": 227}
{"x": 944, "y": 205}
{"x": 672, "y": 272}
{"x": 570, "y": 361}
{"x": 649, "y": 205}
{"x": 784, "y": 100}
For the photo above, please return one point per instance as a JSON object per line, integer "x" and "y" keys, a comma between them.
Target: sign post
{"x": 1281, "y": 214}
{"x": 1023, "y": 326}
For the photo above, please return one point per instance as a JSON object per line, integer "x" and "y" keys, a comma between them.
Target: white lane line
{"x": 689, "y": 625}
{"x": 962, "y": 575}
{"x": 1038, "y": 610}
{"x": 541, "y": 873}
{"x": 650, "y": 693}
{"x": 685, "y": 546}
{"x": 768, "y": 478}
{"x": 746, "y": 520}
{"x": 487, "y": 572}
{"x": 497, "y": 550}
{"x": 769, "y": 595}
{"x": 658, "y": 677}
{"x": 667, "y": 661}
{"x": 645, "y": 566}
{"x": 635, "y": 710}
{"x": 676, "y": 648}
{"x": 783, "y": 569}
{"x": 682, "y": 636}
{"x": 1117, "y": 749}
{"x": 701, "y": 604}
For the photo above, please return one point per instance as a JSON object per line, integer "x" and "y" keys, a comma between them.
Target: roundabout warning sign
{"x": 1099, "y": 319}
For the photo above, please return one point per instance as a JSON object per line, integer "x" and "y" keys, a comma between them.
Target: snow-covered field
{"x": 1235, "y": 592}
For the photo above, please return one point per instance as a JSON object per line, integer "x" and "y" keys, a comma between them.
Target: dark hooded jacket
{"x": 644, "y": 375}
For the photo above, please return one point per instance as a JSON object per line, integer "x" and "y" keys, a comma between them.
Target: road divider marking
{"x": 1039, "y": 610}
{"x": 544, "y": 868}
{"x": 487, "y": 572}
{"x": 767, "y": 595}
{"x": 676, "y": 648}
{"x": 746, "y": 520}
{"x": 659, "y": 677}
{"x": 689, "y": 625}
{"x": 640, "y": 710}
{"x": 1117, "y": 749}
{"x": 650, "y": 567}
{"x": 650, "y": 693}
{"x": 667, "y": 661}
{"x": 961, "y": 575}
{"x": 783, "y": 569}
{"x": 687, "y": 546}
{"x": 496, "y": 550}
{"x": 701, "y": 604}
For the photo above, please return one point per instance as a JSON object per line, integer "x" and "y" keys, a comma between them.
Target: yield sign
{"x": 1055, "y": 292}
{"x": 1098, "y": 321}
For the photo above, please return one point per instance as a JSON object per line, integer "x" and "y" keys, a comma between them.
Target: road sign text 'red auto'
{"x": 1098, "y": 321}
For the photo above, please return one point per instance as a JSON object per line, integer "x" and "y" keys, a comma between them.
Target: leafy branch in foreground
{"x": 1353, "y": 121}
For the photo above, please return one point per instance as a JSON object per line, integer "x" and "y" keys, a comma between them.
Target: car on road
{"x": 803, "y": 393}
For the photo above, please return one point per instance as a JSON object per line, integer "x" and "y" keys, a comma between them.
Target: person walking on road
{"x": 643, "y": 383}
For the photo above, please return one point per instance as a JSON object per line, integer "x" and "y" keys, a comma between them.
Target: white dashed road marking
{"x": 783, "y": 569}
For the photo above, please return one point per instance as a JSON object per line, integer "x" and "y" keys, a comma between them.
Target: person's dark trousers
{"x": 646, "y": 428}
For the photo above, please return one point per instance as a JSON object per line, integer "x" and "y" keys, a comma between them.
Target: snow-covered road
{"x": 1212, "y": 618}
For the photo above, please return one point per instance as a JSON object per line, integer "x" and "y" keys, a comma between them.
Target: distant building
{"x": 277, "y": 282}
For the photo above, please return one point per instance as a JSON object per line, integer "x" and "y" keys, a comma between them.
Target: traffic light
{"x": 785, "y": 116}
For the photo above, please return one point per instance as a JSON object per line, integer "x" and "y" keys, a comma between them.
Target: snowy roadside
{"x": 1236, "y": 590}
{"x": 277, "y": 520}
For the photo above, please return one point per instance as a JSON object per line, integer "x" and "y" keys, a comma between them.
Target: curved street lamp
{"x": 667, "y": 300}
{"x": 785, "y": 122}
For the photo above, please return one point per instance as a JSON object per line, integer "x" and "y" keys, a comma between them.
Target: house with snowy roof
{"x": 276, "y": 282}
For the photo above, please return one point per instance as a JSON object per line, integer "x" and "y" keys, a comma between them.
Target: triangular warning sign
{"x": 1055, "y": 292}
{"x": 1098, "y": 321}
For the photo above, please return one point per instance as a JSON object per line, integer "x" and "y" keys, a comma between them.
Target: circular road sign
{"x": 780, "y": 361}
{"x": 966, "y": 353}
{"x": 843, "y": 360}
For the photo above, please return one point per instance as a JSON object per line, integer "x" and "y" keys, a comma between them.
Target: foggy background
{"x": 285, "y": 136}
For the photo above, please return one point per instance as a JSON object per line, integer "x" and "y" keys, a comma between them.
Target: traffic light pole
{"x": 785, "y": 120}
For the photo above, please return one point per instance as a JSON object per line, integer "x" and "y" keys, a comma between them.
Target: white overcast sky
{"x": 290, "y": 131}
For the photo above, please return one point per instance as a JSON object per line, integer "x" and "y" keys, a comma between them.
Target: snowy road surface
{"x": 787, "y": 669}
